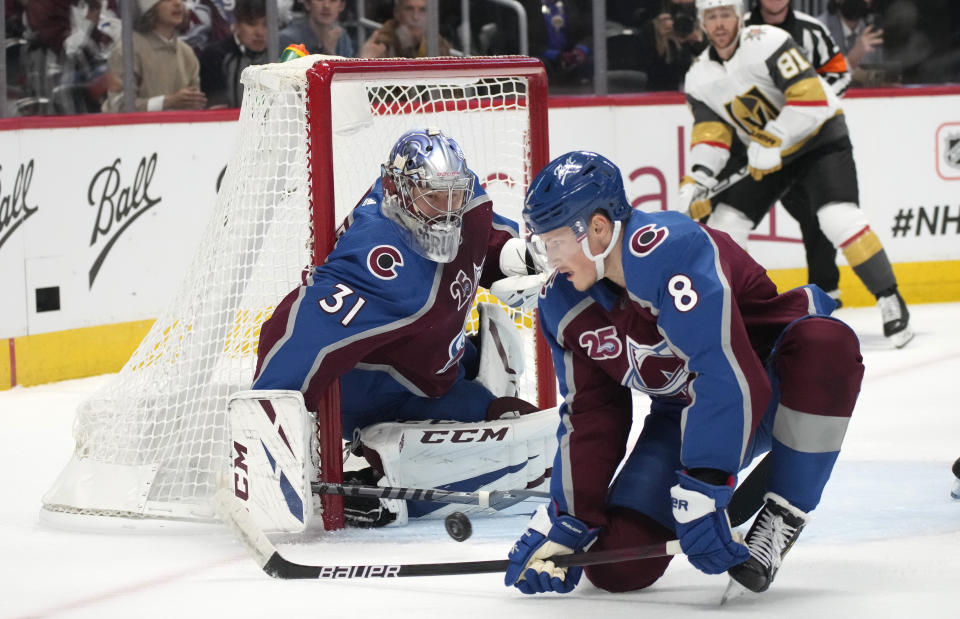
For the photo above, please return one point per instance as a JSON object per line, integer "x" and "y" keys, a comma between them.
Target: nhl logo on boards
{"x": 948, "y": 151}
{"x": 951, "y": 151}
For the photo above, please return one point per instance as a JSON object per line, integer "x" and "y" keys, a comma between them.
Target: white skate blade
{"x": 734, "y": 590}
{"x": 901, "y": 338}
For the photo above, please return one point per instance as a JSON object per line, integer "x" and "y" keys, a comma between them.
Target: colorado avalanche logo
{"x": 383, "y": 261}
{"x": 646, "y": 239}
{"x": 463, "y": 288}
{"x": 655, "y": 370}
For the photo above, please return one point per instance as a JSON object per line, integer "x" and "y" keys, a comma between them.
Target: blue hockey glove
{"x": 703, "y": 528}
{"x": 548, "y": 534}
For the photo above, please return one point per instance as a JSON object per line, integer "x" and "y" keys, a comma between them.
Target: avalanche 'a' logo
{"x": 601, "y": 343}
{"x": 383, "y": 261}
{"x": 646, "y": 239}
{"x": 655, "y": 370}
{"x": 463, "y": 288}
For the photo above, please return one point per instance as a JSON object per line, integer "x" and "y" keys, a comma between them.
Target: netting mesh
{"x": 165, "y": 412}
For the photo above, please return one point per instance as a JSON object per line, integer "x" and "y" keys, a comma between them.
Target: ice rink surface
{"x": 885, "y": 541}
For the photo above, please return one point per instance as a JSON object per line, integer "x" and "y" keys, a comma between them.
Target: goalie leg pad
{"x": 501, "y": 352}
{"x": 273, "y": 440}
{"x": 505, "y": 454}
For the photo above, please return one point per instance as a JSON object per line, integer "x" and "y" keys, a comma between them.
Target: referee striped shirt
{"x": 815, "y": 41}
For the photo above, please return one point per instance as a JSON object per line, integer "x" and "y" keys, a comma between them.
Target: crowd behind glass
{"x": 67, "y": 56}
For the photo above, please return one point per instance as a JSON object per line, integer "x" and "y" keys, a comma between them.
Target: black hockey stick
{"x": 273, "y": 563}
{"x": 727, "y": 181}
{"x": 494, "y": 499}
{"x": 748, "y": 497}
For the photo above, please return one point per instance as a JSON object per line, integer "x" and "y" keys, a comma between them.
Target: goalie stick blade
{"x": 234, "y": 513}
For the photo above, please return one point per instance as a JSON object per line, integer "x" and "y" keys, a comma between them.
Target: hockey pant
{"x": 815, "y": 370}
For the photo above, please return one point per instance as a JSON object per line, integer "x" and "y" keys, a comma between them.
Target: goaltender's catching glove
{"x": 525, "y": 276}
{"x": 694, "y": 194}
{"x": 548, "y": 534}
{"x": 763, "y": 154}
{"x": 703, "y": 527}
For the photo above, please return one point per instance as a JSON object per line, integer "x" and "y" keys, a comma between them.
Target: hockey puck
{"x": 458, "y": 526}
{"x": 956, "y": 468}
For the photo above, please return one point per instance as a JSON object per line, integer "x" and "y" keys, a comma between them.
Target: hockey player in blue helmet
{"x": 657, "y": 303}
{"x": 564, "y": 196}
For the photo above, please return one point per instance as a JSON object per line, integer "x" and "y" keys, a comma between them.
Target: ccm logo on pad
{"x": 464, "y": 436}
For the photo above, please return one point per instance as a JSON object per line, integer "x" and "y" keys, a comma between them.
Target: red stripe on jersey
{"x": 715, "y": 144}
{"x": 820, "y": 103}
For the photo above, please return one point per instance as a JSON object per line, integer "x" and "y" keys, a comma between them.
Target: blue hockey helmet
{"x": 426, "y": 188}
{"x": 570, "y": 189}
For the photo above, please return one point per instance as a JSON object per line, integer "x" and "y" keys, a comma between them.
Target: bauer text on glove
{"x": 548, "y": 534}
{"x": 702, "y": 524}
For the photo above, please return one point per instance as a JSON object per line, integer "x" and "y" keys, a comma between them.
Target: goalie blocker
{"x": 274, "y": 458}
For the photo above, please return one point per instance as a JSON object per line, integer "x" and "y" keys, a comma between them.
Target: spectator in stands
{"x": 668, "y": 44}
{"x": 907, "y": 48}
{"x": 13, "y": 18}
{"x": 222, "y": 63}
{"x": 65, "y": 55}
{"x": 404, "y": 35}
{"x": 853, "y": 25}
{"x": 165, "y": 69}
{"x": 319, "y": 30}
{"x": 560, "y": 36}
{"x": 204, "y": 23}
{"x": 632, "y": 13}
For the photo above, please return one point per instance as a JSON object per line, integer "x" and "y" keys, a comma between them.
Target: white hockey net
{"x": 154, "y": 441}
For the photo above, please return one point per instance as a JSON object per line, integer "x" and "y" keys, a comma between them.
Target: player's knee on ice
{"x": 625, "y": 528}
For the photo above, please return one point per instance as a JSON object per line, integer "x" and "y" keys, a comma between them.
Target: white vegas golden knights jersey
{"x": 766, "y": 74}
